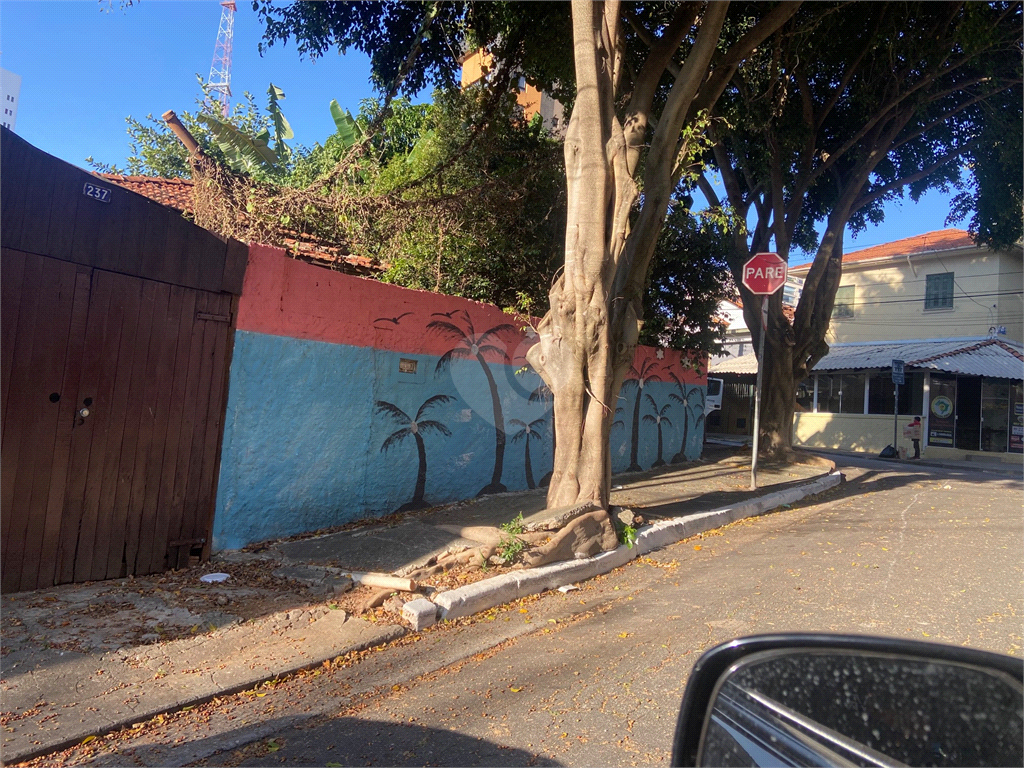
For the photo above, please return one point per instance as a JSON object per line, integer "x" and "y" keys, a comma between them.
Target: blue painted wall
{"x": 303, "y": 440}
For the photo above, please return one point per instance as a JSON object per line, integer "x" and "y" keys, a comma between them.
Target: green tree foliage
{"x": 689, "y": 278}
{"x": 850, "y": 108}
{"x": 493, "y": 210}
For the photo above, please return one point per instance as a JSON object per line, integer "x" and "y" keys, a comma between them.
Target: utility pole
{"x": 218, "y": 86}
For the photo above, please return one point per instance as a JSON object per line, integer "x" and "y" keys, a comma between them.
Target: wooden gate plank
{"x": 88, "y": 440}
{"x": 16, "y": 166}
{"x": 67, "y": 194}
{"x": 150, "y": 554}
{"x": 12, "y": 275}
{"x": 190, "y": 424}
{"x": 167, "y": 511}
{"x": 16, "y": 419}
{"x": 133, "y": 237}
{"x": 110, "y": 526}
{"x": 112, "y": 388}
{"x": 123, "y": 537}
{"x": 69, "y": 405}
{"x": 202, "y": 522}
{"x": 32, "y": 484}
{"x": 38, "y": 194}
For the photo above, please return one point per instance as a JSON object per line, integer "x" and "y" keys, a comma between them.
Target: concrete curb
{"x": 481, "y": 595}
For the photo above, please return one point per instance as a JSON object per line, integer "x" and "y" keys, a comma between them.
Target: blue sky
{"x": 84, "y": 70}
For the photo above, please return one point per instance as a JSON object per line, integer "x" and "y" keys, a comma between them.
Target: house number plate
{"x": 96, "y": 193}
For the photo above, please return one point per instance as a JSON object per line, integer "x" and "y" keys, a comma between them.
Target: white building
{"x": 10, "y": 89}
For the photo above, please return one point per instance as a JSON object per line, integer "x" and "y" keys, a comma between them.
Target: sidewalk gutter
{"x": 482, "y": 595}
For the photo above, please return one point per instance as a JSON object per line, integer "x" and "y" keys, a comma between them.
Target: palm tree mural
{"x": 645, "y": 373}
{"x": 468, "y": 344}
{"x": 527, "y": 433}
{"x": 543, "y": 394}
{"x": 688, "y": 398}
{"x": 418, "y": 428}
{"x": 658, "y": 418}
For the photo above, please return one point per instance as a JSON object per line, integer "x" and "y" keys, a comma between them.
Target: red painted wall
{"x": 286, "y": 297}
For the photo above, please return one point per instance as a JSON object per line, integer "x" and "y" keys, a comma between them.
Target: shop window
{"x": 881, "y": 391}
{"x": 938, "y": 291}
{"x": 843, "y": 307}
{"x": 841, "y": 393}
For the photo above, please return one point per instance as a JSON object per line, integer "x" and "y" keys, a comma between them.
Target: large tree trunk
{"x": 588, "y": 337}
{"x": 792, "y": 350}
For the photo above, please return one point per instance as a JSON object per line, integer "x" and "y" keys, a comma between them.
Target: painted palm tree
{"x": 689, "y": 398}
{"x": 469, "y": 344}
{"x": 543, "y": 394}
{"x": 645, "y": 373}
{"x": 658, "y": 418}
{"x": 526, "y": 433}
{"x": 418, "y": 428}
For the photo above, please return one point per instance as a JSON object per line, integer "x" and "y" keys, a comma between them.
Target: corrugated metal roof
{"x": 994, "y": 358}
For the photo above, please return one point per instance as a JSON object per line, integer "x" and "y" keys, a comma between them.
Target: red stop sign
{"x": 765, "y": 273}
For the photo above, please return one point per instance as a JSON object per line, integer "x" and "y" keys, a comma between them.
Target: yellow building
{"x": 934, "y": 286}
{"x": 953, "y": 313}
{"x": 477, "y": 64}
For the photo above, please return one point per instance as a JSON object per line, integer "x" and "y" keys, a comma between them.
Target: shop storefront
{"x": 976, "y": 414}
{"x": 968, "y": 394}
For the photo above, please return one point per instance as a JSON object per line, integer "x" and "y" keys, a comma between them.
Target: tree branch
{"x": 874, "y": 194}
{"x": 636, "y": 120}
{"x": 725, "y": 67}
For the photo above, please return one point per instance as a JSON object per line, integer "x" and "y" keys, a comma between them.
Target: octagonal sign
{"x": 764, "y": 273}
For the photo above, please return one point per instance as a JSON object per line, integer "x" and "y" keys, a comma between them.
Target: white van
{"x": 713, "y": 399}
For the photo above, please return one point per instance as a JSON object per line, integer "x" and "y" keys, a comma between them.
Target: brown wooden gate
{"x": 114, "y": 381}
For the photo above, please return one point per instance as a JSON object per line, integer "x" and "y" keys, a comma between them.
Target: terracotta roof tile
{"x": 174, "y": 193}
{"x": 177, "y": 194}
{"x": 940, "y": 240}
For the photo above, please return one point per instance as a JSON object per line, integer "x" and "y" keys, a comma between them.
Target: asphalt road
{"x": 595, "y": 676}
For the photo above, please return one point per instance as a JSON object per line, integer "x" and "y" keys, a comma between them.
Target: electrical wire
{"x": 864, "y": 303}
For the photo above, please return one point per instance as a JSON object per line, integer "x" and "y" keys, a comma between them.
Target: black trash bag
{"x": 887, "y": 453}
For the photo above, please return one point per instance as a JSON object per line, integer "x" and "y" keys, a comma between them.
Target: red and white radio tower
{"x": 218, "y": 87}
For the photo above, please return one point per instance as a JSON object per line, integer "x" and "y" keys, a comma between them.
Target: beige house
{"x": 937, "y": 285}
{"x": 952, "y": 313}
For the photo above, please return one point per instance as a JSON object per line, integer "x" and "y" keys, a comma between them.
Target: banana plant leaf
{"x": 282, "y": 129}
{"x": 348, "y": 129}
{"x": 244, "y": 154}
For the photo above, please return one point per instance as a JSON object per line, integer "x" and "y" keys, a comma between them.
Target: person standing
{"x": 913, "y": 431}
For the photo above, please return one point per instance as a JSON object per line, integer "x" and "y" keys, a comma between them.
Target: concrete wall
{"x": 848, "y": 432}
{"x": 1010, "y": 302}
{"x": 305, "y": 446}
{"x": 870, "y": 434}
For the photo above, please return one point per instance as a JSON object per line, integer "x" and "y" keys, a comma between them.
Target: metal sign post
{"x": 757, "y": 390}
{"x": 898, "y": 377}
{"x": 763, "y": 275}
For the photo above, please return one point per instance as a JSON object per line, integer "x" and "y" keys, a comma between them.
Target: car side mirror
{"x": 835, "y": 700}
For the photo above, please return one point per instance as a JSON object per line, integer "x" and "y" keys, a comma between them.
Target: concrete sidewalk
{"x": 85, "y": 659}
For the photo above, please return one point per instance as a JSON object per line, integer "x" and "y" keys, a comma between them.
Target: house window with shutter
{"x": 938, "y": 291}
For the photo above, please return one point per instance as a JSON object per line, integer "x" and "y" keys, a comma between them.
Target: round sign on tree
{"x": 764, "y": 273}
